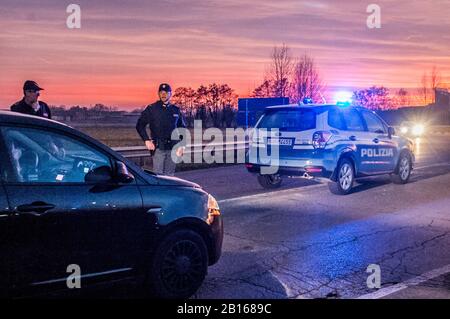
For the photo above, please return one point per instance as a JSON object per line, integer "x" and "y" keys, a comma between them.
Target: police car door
{"x": 383, "y": 149}
{"x": 361, "y": 139}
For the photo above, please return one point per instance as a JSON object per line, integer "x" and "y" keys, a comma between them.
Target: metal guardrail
{"x": 141, "y": 151}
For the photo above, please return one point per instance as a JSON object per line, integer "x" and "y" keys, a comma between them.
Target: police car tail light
{"x": 320, "y": 139}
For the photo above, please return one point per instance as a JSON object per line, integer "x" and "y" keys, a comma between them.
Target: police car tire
{"x": 189, "y": 248}
{"x": 269, "y": 182}
{"x": 398, "y": 178}
{"x": 335, "y": 187}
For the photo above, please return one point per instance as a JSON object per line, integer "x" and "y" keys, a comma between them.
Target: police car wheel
{"x": 269, "y": 181}
{"x": 178, "y": 266}
{"x": 344, "y": 179}
{"x": 403, "y": 170}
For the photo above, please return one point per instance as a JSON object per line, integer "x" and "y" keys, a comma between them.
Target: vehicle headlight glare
{"x": 418, "y": 129}
{"x": 212, "y": 204}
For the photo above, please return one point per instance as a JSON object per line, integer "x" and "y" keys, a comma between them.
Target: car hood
{"x": 164, "y": 180}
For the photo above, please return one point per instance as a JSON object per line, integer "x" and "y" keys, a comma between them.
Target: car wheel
{"x": 403, "y": 170}
{"x": 344, "y": 179}
{"x": 270, "y": 181}
{"x": 179, "y": 265}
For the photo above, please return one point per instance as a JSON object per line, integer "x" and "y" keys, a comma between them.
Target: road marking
{"x": 383, "y": 292}
{"x": 301, "y": 188}
{"x": 281, "y": 192}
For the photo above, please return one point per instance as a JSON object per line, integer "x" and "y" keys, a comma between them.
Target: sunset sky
{"x": 124, "y": 49}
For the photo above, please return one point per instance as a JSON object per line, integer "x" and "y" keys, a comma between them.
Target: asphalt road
{"x": 301, "y": 241}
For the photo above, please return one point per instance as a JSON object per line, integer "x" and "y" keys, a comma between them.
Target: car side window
{"x": 353, "y": 120}
{"x": 335, "y": 119}
{"x": 373, "y": 123}
{"x": 39, "y": 156}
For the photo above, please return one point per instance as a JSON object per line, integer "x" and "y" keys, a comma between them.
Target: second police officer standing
{"x": 162, "y": 117}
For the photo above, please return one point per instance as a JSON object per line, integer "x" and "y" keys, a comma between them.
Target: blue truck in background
{"x": 251, "y": 109}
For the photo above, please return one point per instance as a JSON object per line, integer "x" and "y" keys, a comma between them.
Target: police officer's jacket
{"x": 22, "y": 107}
{"x": 162, "y": 120}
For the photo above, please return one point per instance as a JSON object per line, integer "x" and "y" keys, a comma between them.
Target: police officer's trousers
{"x": 162, "y": 162}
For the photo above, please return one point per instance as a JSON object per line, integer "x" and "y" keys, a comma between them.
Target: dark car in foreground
{"x": 73, "y": 210}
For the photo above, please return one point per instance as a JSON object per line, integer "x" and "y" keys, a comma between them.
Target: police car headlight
{"x": 213, "y": 209}
{"x": 418, "y": 129}
{"x": 404, "y": 130}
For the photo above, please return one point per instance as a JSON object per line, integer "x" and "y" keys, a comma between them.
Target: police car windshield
{"x": 289, "y": 120}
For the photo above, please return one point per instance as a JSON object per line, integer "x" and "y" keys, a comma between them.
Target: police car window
{"x": 353, "y": 120}
{"x": 289, "y": 120}
{"x": 39, "y": 156}
{"x": 373, "y": 123}
{"x": 335, "y": 119}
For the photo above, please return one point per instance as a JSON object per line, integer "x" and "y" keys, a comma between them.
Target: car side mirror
{"x": 122, "y": 175}
{"x": 99, "y": 175}
{"x": 391, "y": 131}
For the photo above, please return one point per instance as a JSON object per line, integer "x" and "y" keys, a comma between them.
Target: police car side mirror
{"x": 122, "y": 175}
{"x": 391, "y": 131}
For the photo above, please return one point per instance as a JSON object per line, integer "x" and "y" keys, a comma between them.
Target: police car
{"x": 338, "y": 142}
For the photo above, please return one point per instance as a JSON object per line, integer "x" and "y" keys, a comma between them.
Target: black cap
{"x": 32, "y": 86}
{"x": 165, "y": 87}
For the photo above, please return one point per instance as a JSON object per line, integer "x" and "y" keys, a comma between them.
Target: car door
{"x": 384, "y": 148}
{"x": 5, "y": 251}
{"x": 59, "y": 219}
{"x": 356, "y": 133}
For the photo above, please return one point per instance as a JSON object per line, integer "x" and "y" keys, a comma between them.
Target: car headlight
{"x": 213, "y": 209}
{"x": 404, "y": 129}
{"x": 212, "y": 203}
{"x": 418, "y": 129}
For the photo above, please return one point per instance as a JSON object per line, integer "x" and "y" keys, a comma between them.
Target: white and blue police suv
{"x": 338, "y": 142}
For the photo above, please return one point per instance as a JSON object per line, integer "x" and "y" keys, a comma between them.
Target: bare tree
{"x": 402, "y": 98}
{"x": 280, "y": 70}
{"x": 429, "y": 84}
{"x": 185, "y": 98}
{"x": 306, "y": 81}
{"x": 264, "y": 90}
{"x": 423, "y": 89}
{"x": 201, "y": 102}
{"x": 435, "y": 80}
{"x": 374, "y": 98}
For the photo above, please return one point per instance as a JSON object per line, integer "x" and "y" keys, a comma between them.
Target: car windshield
{"x": 289, "y": 120}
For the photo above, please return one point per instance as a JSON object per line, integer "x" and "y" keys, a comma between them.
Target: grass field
{"x": 114, "y": 136}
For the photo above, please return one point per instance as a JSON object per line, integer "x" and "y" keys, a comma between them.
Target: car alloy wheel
{"x": 404, "y": 168}
{"x": 182, "y": 266}
{"x": 346, "y": 176}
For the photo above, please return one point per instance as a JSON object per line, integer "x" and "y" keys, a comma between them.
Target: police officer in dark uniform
{"x": 30, "y": 103}
{"x": 162, "y": 117}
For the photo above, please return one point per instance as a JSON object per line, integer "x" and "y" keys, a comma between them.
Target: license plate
{"x": 281, "y": 141}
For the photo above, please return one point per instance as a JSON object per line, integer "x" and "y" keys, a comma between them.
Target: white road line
{"x": 281, "y": 192}
{"x": 383, "y": 292}
{"x": 301, "y": 188}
